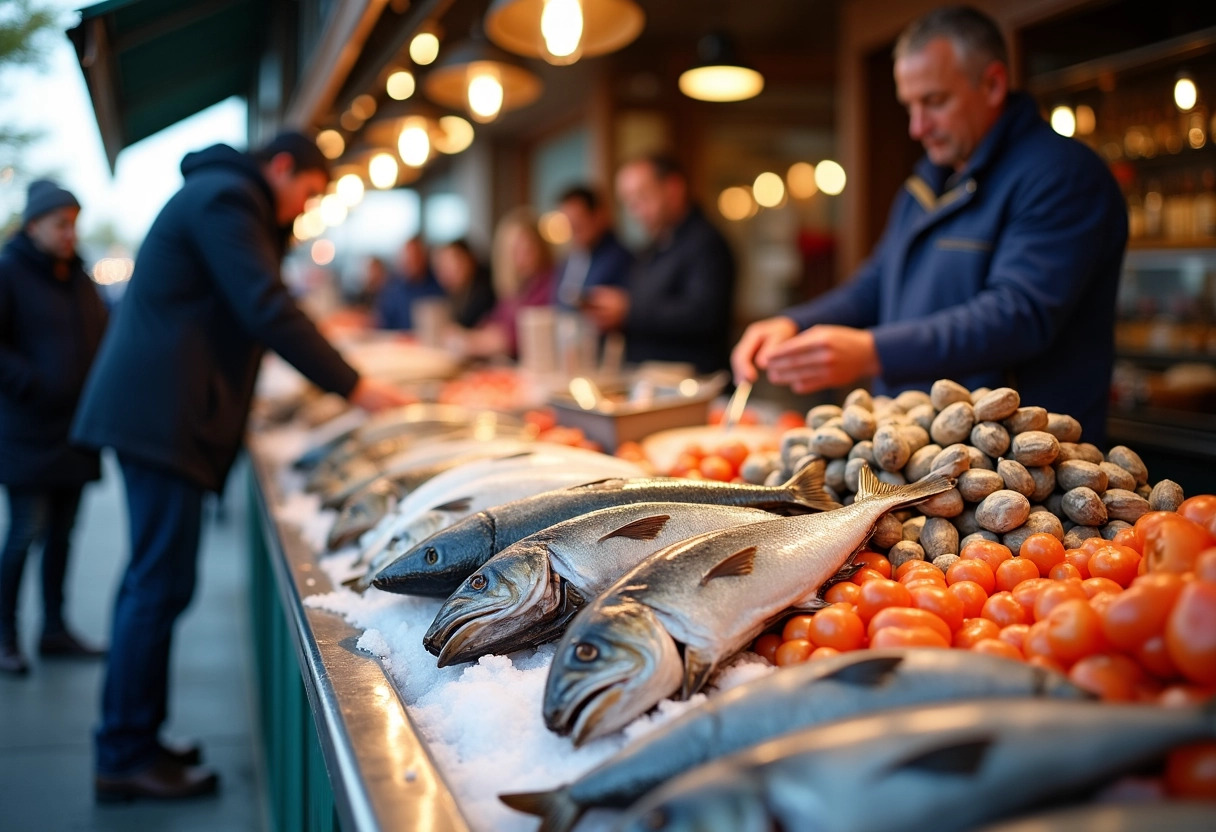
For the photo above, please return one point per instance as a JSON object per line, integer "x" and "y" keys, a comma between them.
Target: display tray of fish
{"x": 437, "y": 566}
{"x": 939, "y": 767}
{"x": 665, "y": 625}
{"x": 524, "y": 595}
{"x": 793, "y": 698}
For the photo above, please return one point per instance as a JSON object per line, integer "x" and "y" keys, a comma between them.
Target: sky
{"x": 53, "y": 99}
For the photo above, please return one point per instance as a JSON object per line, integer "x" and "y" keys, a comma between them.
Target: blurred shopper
{"x": 51, "y": 322}
{"x": 465, "y": 281}
{"x": 1001, "y": 258}
{"x": 677, "y": 306}
{"x": 170, "y": 392}
{"x": 596, "y": 256}
{"x": 411, "y": 281}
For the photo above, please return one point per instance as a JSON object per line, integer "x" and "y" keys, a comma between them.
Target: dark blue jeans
{"x": 37, "y": 514}
{"x": 165, "y": 516}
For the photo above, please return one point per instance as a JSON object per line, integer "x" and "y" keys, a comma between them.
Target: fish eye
{"x": 477, "y": 583}
{"x": 585, "y": 652}
{"x": 432, "y": 556}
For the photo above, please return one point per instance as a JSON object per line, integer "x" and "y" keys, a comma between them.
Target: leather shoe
{"x": 187, "y": 754}
{"x": 65, "y": 645}
{"x": 11, "y": 660}
{"x": 163, "y": 779}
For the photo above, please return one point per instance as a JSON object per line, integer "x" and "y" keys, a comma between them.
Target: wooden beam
{"x": 96, "y": 58}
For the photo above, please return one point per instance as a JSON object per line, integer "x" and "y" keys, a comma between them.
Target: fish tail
{"x": 870, "y": 487}
{"x": 807, "y": 486}
{"x": 557, "y": 810}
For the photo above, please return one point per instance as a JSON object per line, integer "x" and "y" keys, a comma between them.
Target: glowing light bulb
{"x": 414, "y": 143}
{"x": 333, "y": 210}
{"x": 322, "y": 252}
{"x": 801, "y": 180}
{"x": 424, "y": 48}
{"x": 400, "y": 85}
{"x": 736, "y": 203}
{"x": 561, "y": 29}
{"x": 485, "y": 95}
{"x": 768, "y": 189}
{"x": 1185, "y": 94}
{"x": 1064, "y": 121}
{"x": 331, "y": 143}
{"x": 382, "y": 170}
{"x": 350, "y": 189}
{"x": 455, "y": 135}
{"x": 830, "y": 178}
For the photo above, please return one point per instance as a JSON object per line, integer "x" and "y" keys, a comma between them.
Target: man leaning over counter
{"x": 1001, "y": 257}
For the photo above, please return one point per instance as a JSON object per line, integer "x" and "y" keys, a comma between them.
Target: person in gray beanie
{"x": 51, "y": 323}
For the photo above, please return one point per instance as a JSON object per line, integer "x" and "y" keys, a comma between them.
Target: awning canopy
{"x": 151, "y": 63}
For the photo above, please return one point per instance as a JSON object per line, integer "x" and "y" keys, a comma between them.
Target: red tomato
{"x": 923, "y": 580}
{"x": 1128, "y": 538}
{"x": 1111, "y": 676}
{"x": 1015, "y": 634}
{"x": 878, "y": 595}
{"x": 1074, "y": 630}
{"x": 1027, "y": 592}
{"x": 864, "y": 575}
{"x": 908, "y": 637}
{"x": 1047, "y": 663}
{"x": 1004, "y": 609}
{"x": 1118, "y": 563}
{"x": 973, "y": 630}
{"x": 1190, "y": 772}
{"x": 1042, "y": 549}
{"x": 1036, "y": 643}
{"x": 875, "y": 561}
{"x": 941, "y": 602}
{"x": 974, "y": 570}
{"x": 1181, "y": 696}
{"x": 1205, "y": 565}
{"x": 1154, "y": 657}
{"x": 1079, "y": 558}
{"x": 793, "y": 652}
{"x": 908, "y": 618}
{"x": 1057, "y": 593}
{"x": 1013, "y": 571}
{"x": 797, "y": 627}
{"x": 1190, "y": 632}
{"x": 1100, "y": 586}
{"x": 766, "y": 646}
{"x": 1064, "y": 571}
{"x": 933, "y": 574}
{"x": 788, "y": 420}
{"x": 1140, "y": 612}
{"x": 734, "y": 452}
{"x": 911, "y": 566}
{"x": 972, "y": 595}
{"x": 989, "y": 551}
{"x": 996, "y": 647}
{"x": 685, "y": 463}
{"x": 631, "y": 451}
{"x": 1173, "y": 544}
{"x": 822, "y": 653}
{"x": 542, "y": 420}
{"x": 714, "y": 467}
{"x": 844, "y": 591}
{"x": 838, "y": 628}
{"x": 1093, "y": 544}
{"x": 1200, "y": 509}
{"x": 1147, "y": 521}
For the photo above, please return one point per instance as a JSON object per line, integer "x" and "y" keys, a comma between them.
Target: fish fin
{"x": 869, "y": 486}
{"x": 604, "y": 484}
{"x": 697, "y": 669}
{"x": 807, "y": 485}
{"x": 961, "y": 758}
{"x": 812, "y": 603}
{"x": 461, "y": 504}
{"x": 843, "y": 574}
{"x": 558, "y": 811}
{"x": 647, "y": 528}
{"x": 516, "y": 455}
{"x": 736, "y": 565}
{"x": 353, "y": 582}
{"x": 869, "y": 673}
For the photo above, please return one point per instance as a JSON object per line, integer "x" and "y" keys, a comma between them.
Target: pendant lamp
{"x": 483, "y": 80}
{"x": 562, "y": 31}
{"x": 719, "y": 75}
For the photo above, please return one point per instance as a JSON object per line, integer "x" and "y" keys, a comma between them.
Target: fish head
{"x": 613, "y": 664}
{"x": 697, "y": 803}
{"x": 513, "y": 601}
{"x": 435, "y": 566}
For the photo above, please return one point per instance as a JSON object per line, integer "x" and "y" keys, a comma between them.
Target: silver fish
{"x": 939, "y": 767}
{"x": 437, "y": 565}
{"x": 849, "y": 685}
{"x": 525, "y": 594}
{"x": 363, "y": 512}
{"x": 712, "y": 596}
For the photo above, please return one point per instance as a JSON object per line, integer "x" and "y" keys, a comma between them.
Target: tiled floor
{"x": 46, "y": 719}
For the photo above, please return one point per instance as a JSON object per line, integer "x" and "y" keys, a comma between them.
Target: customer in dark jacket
{"x": 411, "y": 281}
{"x": 1001, "y": 258}
{"x": 677, "y": 305}
{"x": 170, "y": 392}
{"x": 596, "y": 257}
{"x": 51, "y": 321}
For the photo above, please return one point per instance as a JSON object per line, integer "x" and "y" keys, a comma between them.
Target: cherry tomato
{"x": 1109, "y": 675}
{"x": 973, "y": 630}
{"x": 865, "y": 574}
{"x": 1154, "y": 657}
{"x": 1205, "y": 565}
{"x": 543, "y": 420}
{"x": 714, "y": 467}
{"x": 1057, "y": 593}
{"x": 1013, "y": 571}
{"x": 912, "y": 566}
{"x": 685, "y": 463}
{"x": 989, "y": 551}
{"x": 875, "y": 561}
{"x": 734, "y": 452}
{"x": 923, "y": 580}
{"x": 793, "y": 652}
{"x": 1047, "y": 663}
{"x": 1074, "y": 630}
{"x": 797, "y": 627}
{"x": 908, "y": 637}
{"x": 1100, "y": 586}
{"x": 1173, "y": 544}
{"x": 1145, "y": 522}
{"x": 972, "y": 595}
{"x": 1200, "y": 509}
{"x": 846, "y": 591}
{"x": 1079, "y": 558}
{"x": 908, "y": 618}
{"x": 838, "y": 628}
{"x": 1064, "y": 571}
{"x": 1190, "y": 772}
{"x": 996, "y": 647}
{"x": 788, "y": 420}
{"x": 1042, "y": 549}
{"x": 1027, "y": 592}
{"x": 1140, "y": 612}
{"x": 880, "y": 594}
{"x": 1128, "y": 538}
{"x": 941, "y": 602}
{"x": 822, "y": 653}
{"x": 1015, "y": 634}
{"x": 1036, "y": 643}
{"x": 1004, "y": 609}
{"x": 1093, "y": 544}
{"x": 1115, "y": 562}
{"x": 974, "y": 570}
{"x": 766, "y": 646}
{"x": 1190, "y": 632}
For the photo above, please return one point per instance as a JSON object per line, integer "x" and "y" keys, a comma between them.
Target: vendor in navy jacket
{"x": 171, "y": 392}
{"x": 1001, "y": 257}
{"x": 51, "y": 321}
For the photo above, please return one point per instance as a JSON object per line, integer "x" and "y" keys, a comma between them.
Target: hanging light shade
{"x": 445, "y": 133}
{"x": 719, "y": 75}
{"x": 482, "y": 80}
{"x": 562, "y": 31}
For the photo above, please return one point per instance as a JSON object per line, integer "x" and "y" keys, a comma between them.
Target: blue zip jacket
{"x": 1002, "y": 275}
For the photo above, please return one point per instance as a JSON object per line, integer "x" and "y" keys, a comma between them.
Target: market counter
{"x": 340, "y": 751}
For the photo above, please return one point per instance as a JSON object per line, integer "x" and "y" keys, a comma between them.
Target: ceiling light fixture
{"x": 719, "y": 75}
{"x": 562, "y": 31}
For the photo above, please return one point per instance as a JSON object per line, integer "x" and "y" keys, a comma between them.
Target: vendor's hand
{"x": 823, "y": 356}
{"x": 757, "y": 344}
{"x": 373, "y": 395}
{"x": 607, "y": 306}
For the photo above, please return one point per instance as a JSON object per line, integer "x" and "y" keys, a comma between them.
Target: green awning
{"x": 151, "y": 63}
